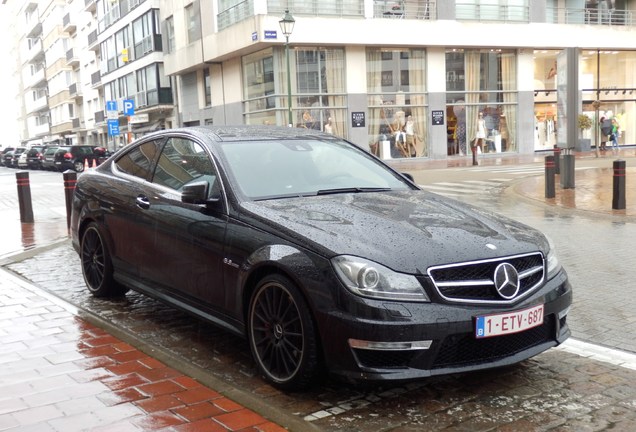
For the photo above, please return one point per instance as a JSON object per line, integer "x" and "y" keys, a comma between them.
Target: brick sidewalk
{"x": 60, "y": 372}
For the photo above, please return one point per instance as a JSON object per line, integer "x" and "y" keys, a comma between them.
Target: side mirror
{"x": 408, "y": 176}
{"x": 195, "y": 193}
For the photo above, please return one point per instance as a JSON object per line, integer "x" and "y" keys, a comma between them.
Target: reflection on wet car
{"x": 318, "y": 253}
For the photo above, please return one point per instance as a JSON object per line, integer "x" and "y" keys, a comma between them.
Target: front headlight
{"x": 370, "y": 279}
{"x": 554, "y": 266}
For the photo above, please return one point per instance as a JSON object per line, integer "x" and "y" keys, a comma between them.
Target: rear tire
{"x": 282, "y": 334}
{"x": 79, "y": 166}
{"x": 97, "y": 266}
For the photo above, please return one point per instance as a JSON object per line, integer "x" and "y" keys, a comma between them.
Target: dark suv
{"x": 35, "y": 155}
{"x": 4, "y": 151}
{"x": 74, "y": 157}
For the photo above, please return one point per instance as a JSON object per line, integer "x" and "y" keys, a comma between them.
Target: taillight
{"x": 68, "y": 155}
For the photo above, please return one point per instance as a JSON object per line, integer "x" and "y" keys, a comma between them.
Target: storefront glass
{"x": 605, "y": 76}
{"x": 318, "y": 88}
{"x": 396, "y": 88}
{"x": 481, "y": 82}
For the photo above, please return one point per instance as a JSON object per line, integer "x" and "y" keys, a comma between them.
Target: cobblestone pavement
{"x": 582, "y": 386}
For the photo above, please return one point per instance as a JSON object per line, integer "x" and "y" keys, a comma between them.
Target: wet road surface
{"x": 557, "y": 390}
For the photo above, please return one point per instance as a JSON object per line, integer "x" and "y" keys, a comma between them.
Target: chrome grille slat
{"x": 465, "y": 283}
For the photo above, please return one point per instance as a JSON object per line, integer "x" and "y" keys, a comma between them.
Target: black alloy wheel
{"x": 97, "y": 267}
{"x": 282, "y": 335}
{"x": 79, "y": 166}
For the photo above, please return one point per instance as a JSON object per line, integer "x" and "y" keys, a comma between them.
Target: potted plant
{"x": 584, "y": 123}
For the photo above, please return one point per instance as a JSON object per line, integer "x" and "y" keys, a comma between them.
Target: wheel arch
{"x": 289, "y": 265}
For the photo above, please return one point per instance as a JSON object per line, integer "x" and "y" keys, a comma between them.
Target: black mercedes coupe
{"x": 318, "y": 253}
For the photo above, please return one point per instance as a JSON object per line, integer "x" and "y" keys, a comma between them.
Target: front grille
{"x": 464, "y": 349}
{"x": 473, "y": 282}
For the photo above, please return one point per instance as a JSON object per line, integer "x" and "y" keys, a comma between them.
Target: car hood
{"x": 406, "y": 231}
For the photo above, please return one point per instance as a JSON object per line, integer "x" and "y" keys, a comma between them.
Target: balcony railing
{"x": 90, "y": 5}
{"x": 236, "y": 13}
{"x": 147, "y": 45}
{"x": 404, "y": 9}
{"x": 67, "y": 24}
{"x": 100, "y": 117}
{"x": 487, "y": 12}
{"x": 71, "y": 58}
{"x": 607, "y": 17}
{"x": 340, "y": 8}
{"x": 96, "y": 78}
{"x": 92, "y": 40}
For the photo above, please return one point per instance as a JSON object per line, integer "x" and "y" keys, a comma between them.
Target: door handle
{"x": 142, "y": 202}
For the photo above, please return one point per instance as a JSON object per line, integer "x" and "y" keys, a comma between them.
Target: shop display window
{"x": 396, "y": 88}
{"x": 317, "y": 88}
{"x": 481, "y": 84}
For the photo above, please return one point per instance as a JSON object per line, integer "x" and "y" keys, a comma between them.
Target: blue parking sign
{"x": 113, "y": 127}
{"x": 129, "y": 107}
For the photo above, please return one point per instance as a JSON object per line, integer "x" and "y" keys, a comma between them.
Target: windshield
{"x": 270, "y": 169}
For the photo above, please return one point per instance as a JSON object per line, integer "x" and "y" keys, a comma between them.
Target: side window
{"x": 139, "y": 161}
{"x": 183, "y": 161}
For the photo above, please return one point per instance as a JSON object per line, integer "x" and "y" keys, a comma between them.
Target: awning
{"x": 148, "y": 128}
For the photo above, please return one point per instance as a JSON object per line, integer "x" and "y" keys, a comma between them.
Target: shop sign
{"x": 357, "y": 119}
{"x": 438, "y": 117}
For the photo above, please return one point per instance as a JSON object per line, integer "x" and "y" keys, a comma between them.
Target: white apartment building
{"x": 370, "y": 64}
{"x": 77, "y": 56}
{"x": 372, "y": 71}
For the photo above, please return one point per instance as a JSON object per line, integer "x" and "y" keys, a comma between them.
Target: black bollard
{"x": 70, "y": 178}
{"x": 557, "y": 160}
{"x": 549, "y": 177}
{"x": 618, "y": 199}
{"x": 24, "y": 196}
{"x": 567, "y": 169}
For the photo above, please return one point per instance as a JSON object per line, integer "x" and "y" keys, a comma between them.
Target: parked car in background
{"x": 4, "y": 151}
{"x": 11, "y": 158}
{"x": 101, "y": 154}
{"x": 319, "y": 254}
{"x": 35, "y": 156}
{"x": 22, "y": 160}
{"x": 48, "y": 158}
{"x": 74, "y": 157}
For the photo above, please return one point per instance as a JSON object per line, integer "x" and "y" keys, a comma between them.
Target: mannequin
{"x": 328, "y": 126}
{"x": 480, "y": 137}
{"x": 409, "y": 128}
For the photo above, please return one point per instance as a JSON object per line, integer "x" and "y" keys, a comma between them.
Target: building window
{"x": 481, "y": 82}
{"x": 146, "y": 36}
{"x": 396, "y": 90}
{"x": 170, "y": 43}
{"x": 207, "y": 87}
{"x": 193, "y": 22}
{"x": 318, "y": 89}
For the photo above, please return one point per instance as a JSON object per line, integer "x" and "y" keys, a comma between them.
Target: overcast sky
{"x": 8, "y": 110}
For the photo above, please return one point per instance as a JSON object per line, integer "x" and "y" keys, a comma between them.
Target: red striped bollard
{"x": 618, "y": 198}
{"x": 549, "y": 177}
{"x": 557, "y": 160}
{"x": 24, "y": 196}
{"x": 70, "y": 178}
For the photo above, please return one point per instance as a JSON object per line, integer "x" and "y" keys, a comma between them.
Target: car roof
{"x": 245, "y": 132}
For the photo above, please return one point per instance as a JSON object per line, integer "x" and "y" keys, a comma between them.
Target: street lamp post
{"x": 287, "y": 26}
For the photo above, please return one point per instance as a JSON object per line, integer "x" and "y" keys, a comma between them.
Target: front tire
{"x": 97, "y": 266}
{"x": 282, "y": 334}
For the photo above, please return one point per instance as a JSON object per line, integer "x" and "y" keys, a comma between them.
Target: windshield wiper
{"x": 351, "y": 190}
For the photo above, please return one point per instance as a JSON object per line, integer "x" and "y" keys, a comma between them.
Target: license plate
{"x": 508, "y": 323}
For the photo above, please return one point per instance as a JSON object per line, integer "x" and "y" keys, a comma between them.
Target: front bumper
{"x": 418, "y": 340}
